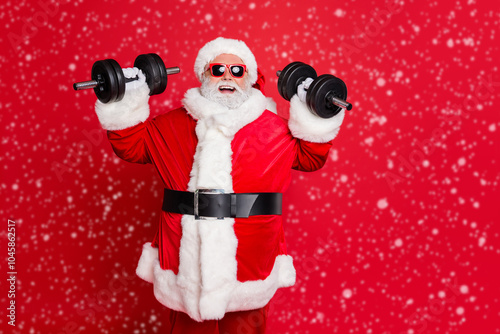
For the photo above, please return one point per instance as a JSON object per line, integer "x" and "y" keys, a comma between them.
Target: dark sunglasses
{"x": 236, "y": 70}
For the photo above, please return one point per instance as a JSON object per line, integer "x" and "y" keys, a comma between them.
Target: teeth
{"x": 226, "y": 87}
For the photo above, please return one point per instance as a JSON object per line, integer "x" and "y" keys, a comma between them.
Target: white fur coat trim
{"x": 205, "y": 285}
{"x": 131, "y": 110}
{"x": 305, "y": 125}
{"x": 171, "y": 291}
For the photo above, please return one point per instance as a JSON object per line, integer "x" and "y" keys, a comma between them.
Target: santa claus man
{"x": 224, "y": 159}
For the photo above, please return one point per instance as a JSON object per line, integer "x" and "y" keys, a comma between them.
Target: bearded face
{"x": 229, "y": 94}
{"x": 226, "y": 89}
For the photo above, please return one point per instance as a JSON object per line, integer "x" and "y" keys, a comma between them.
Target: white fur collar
{"x": 228, "y": 121}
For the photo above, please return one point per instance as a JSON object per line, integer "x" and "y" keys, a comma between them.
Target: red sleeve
{"x": 130, "y": 144}
{"x": 310, "y": 156}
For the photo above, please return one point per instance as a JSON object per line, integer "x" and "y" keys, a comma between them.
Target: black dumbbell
{"x": 326, "y": 96}
{"x": 108, "y": 80}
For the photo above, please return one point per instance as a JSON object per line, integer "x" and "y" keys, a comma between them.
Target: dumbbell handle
{"x": 85, "y": 85}
{"x": 93, "y": 83}
{"x": 173, "y": 70}
{"x": 339, "y": 102}
{"x": 332, "y": 98}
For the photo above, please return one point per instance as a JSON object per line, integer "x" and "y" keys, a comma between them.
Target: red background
{"x": 398, "y": 233}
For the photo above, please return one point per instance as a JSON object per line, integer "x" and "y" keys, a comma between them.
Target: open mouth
{"x": 226, "y": 89}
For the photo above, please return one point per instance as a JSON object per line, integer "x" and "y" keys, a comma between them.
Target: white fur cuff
{"x": 306, "y": 126}
{"x": 146, "y": 263}
{"x": 131, "y": 110}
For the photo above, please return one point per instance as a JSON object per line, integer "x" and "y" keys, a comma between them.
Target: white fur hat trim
{"x": 222, "y": 45}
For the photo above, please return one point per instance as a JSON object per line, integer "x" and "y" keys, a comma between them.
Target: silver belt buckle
{"x": 197, "y": 192}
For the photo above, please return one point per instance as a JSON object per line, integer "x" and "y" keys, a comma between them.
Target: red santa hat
{"x": 222, "y": 45}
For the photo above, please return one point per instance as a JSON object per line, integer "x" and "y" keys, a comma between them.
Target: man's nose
{"x": 227, "y": 75}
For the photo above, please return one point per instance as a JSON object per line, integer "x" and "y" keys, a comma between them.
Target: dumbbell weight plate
{"x": 163, "y": 77}
{"x": 154, "y": 69}
{"x": 318, "y": 94}
{"x": 111, "y": 80}
{"x": 120, "y": 77}
{"x": 291, "y": 77}
{"x": 283, "y": 79}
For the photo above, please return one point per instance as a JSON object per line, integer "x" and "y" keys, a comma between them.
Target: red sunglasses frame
{"x": 229, "y": 68}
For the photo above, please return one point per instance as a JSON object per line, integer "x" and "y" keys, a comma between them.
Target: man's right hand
{"x": 132, "y": 109}
{"x": 132, "y": 73}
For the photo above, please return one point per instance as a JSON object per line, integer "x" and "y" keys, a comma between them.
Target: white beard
{"x": 231, "y": 101}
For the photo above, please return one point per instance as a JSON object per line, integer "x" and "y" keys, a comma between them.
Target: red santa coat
{"x": 208, "y": 267}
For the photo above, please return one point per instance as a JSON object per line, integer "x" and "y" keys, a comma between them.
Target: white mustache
{"x": 229, "y": 84}
{"x": 231, "y": 101}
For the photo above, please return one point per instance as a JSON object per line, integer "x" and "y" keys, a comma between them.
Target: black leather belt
{"x": 215, "y": 203}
